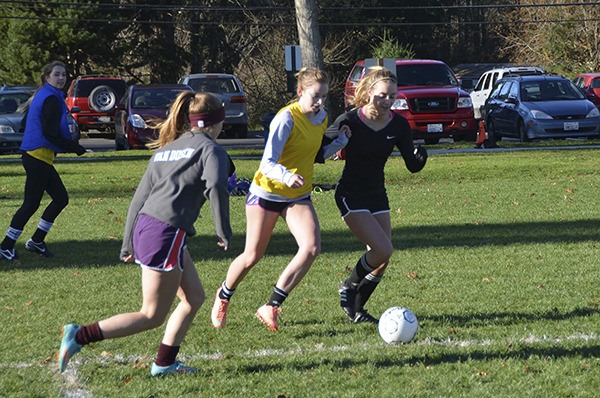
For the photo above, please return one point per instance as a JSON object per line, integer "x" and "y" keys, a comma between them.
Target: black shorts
{"x": 270, "y": 205}
{"x": 350, "y": 202}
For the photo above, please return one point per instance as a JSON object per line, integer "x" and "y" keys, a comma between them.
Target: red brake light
{"x": 237, "y": 99}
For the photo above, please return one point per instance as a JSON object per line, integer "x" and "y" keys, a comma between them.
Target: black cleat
{"x": 9, "y": 254}
{"x": 363, "y": 316}
{"x": 38, "y": 248}
{"x": 347, "y": 298}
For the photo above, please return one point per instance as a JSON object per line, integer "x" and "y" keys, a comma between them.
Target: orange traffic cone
{"x": 481, "y": 135}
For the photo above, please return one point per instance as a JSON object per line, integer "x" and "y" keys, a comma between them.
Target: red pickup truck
{"x": 429, "y": 97}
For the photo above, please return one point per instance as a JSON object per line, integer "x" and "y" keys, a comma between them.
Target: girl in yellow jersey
{"x": 281, "y": 188}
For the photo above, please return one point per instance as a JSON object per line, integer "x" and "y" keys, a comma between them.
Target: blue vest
{"x": 33, "y": 137}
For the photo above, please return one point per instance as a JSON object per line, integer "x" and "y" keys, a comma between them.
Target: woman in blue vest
{"x": 46, "y": 133}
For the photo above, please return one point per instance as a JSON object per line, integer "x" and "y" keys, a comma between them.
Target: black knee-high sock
{"x": 361, "y": 269}
{"x": 277, "y": 297}
{"x": 365, "y": 289}
{"x": 42, "y": 230}
{"x": 12, "y": 235}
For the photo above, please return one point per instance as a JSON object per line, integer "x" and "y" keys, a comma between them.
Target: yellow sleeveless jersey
{"x": 298, "y": 155}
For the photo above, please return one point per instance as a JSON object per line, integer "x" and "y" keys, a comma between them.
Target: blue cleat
{"x": 176, "y": 368}
{"x": 68, "y": 346}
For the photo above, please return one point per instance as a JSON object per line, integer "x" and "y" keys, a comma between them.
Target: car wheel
{"x": 467, "y": 137}
{"x": 241, "y": 131}
{"x": 491, "y": 131}
{"x": 110, "y": 133}
{"x": 432, "y": 141}
{"x": 522, "y": 132}
{"x": 102, "y": 99}
{"x": 126, "y": 144}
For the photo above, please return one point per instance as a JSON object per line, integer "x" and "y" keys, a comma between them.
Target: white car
{"x": 488, "y": 79}
{"x": 230, "y": 90}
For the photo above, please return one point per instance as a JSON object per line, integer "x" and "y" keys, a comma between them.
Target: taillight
{"x": 237, "y": 99}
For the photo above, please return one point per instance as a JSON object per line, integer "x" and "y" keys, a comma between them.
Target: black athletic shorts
{"x": 351, "y": 202}
{"x": 277, "y": 207}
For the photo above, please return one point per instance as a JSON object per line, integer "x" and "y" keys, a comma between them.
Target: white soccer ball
{"x": 398, "y": 325}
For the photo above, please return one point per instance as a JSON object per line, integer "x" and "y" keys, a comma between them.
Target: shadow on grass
{"x": 203, "y": 247}
{"x": 521, "y": 353}
{"x": 506, "y": 318}
{"x": 496, "y": 319}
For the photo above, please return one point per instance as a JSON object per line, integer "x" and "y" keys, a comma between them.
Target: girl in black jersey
{"x": 360, "y": 194}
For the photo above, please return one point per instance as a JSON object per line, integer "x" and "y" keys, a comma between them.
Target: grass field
{"x": 497, "y": 255}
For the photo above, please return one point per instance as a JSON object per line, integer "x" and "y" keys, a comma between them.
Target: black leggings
{"x": 41, "y": 177}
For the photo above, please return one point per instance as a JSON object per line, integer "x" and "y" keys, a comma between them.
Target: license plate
{"x": 104, "y": 119}
{"x": 435, "y": 128}
{"x": 570, "y": 126}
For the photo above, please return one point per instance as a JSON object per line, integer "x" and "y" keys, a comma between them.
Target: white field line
{"x": 73, "y": 386}
{"x": 121, "y": 359}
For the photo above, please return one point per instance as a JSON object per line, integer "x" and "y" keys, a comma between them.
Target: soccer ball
{"x": 398, "y": 325}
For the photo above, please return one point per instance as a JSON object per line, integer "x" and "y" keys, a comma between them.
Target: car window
{"x": 154, "y": 99}
{"x": 85, "y": 87}
{"x": 486, "y": 83}
{"x": 513, "y": 91}
{"x": 578, "y": 82}
{"x": 125, "y": 96}
{"x": 496, "y": 90}
{"x": 530, "y": 91}
{"x": 10, "y": 102}
{"x": 481, "y": 82}
{"x": 556, "y": 90}
{"x": 356, "y": 73}
{"x": 504, "y": 90}
{"x": 213, "y": 85}
{"x": 595, "y": 83}
{"x": 495, "y": 78}
{"x": 425, "y": 74}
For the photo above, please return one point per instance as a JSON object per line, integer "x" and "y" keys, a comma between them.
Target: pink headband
{"x": 208, "y": 118}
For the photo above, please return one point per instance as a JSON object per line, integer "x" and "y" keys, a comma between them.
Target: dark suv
{"x": 96, "y": 97}
{"x": 429, "y": 97}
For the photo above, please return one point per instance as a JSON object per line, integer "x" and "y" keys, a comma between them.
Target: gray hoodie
{"x": 179, "y": 179}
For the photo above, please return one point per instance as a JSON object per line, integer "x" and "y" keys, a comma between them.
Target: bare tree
{"x": 307, "y": 20}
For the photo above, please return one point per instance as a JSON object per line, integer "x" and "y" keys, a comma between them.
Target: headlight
{"x": 593, "y": 113}
{"x": 540, "y": 115}
{"x": 137, "y": 121}
{"x": 400, "y": 104}
{"x": 464, "y": 102}
{"x": 6, "y": 129}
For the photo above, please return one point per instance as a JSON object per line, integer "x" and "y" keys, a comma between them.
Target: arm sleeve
{"x": 407, "y": 150}
{"x": 139, "y": 198}
{"x": 333, "y": 141}
{"x": 340, "y": 142}
{"x": 215, "y": 174}
{"x": 281, "y": 128}
{"x": 51, "y": 127}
